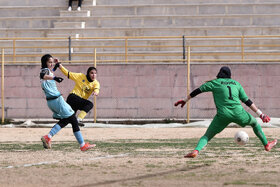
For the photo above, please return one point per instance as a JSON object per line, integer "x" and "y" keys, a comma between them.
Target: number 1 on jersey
{"x": 230, "y": 95}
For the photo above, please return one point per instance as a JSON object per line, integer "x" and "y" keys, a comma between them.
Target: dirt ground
{"x": 96, "y": 168}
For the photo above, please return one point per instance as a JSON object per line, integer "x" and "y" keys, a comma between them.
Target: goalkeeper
{"x": 85, "y": 85}
{"x": 227, "y": 94}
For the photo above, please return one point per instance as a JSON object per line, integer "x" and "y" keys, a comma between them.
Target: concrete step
{"x": 74, "y": 25}
{"x": 39, "y": 11}
{"x": 43, "y": 3}
{"x": 160, "y": 9}
{"x": 120, "y": 57}
{"x": 185, "y": 9}
{"x": 73, "y": 36}
{"x": 144, "y": 45}
{"x": 57, "y": 50}
{"x": 141, "y": 21}
{"x": 82, "y": 13}
{"x": 136, "y": 31}
{"x": 146, "y": 2}
{"x": 124, "y": 2}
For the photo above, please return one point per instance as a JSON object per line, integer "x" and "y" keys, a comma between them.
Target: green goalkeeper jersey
{"x": 227, "y": 94}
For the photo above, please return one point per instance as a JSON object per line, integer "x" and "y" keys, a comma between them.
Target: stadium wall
{"x": 142, "y": 91}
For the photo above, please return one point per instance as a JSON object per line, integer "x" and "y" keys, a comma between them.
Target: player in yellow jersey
{"x": 85, "y": 85}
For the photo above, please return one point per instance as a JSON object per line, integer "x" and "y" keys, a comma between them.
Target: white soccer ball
{"x": 241, "y": 138}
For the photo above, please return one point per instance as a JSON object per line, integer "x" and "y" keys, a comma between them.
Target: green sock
{"x": 201, "y": 143}
{"x": 259, "y": 133}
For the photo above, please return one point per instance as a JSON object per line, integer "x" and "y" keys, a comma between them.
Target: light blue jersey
{"x": 55, "y": 101}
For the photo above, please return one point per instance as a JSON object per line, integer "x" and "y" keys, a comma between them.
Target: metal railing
{"x": 145, "y": 49}
{"x": 184, "y": 49}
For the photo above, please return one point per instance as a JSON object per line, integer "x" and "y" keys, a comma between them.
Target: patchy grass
{"x": 161, "y": 161}
{"x": 223, "y": 147}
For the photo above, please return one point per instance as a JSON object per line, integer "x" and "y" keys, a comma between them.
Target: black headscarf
{"x": 89, "y": 69}
{"x": 44, "y": 60}
{"x": 224, "y": 72}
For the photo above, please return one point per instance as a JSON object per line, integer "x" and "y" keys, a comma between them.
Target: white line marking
{"x": 29, "y": 165}
{"x": 53, "y": 162}
{"x": 109, "y": 156}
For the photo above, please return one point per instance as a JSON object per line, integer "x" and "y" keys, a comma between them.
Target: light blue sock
{"x": 79, "y": 138}
{"x": 56, "y": 128}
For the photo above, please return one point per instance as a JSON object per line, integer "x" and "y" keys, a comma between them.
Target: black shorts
{"x": 78, "y": 103}
{"x": 72, "y": 119}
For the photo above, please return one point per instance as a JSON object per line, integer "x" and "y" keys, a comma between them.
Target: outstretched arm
{"x": 184, "y": 101}
{"x": 60, "y": 66}
{"x": 68, "y": 74}
{"x": 265, "y": 118}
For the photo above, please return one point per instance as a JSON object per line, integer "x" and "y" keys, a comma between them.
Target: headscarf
{"x": 224, "y": 72}
{"x": 89, "y": 69}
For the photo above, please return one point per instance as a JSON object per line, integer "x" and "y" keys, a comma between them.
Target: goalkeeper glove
{"x": 265, "y": 118}
{"x": 56, "y": 66}
{"x": 58, "y": 79}
{"x": 180, "y": 102}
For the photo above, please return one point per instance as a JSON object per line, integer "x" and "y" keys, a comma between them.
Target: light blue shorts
{"x": 60, "y": 108}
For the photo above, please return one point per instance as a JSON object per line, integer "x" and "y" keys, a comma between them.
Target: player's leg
{"x": 78, "y": 135}
{"x": 78, "y": 103}
{"x": 79, "y": 5}
{"x": 55, "y": 129}
{"x": 84, "y": 109}
{"x": 61, "y": 110}
{"x": 247, "y": 119}
{"x": 73, "y": 101}
{"x": 70, "y": 5}
{"x": 217, "y": 125}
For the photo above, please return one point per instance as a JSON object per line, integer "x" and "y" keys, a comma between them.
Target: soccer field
{"x": 136, "y": 157}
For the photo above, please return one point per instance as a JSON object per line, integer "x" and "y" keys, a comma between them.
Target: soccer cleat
{"x": 46, "y": 142}
{"x": 270, "y": 145}
{"x": 87, "y": 146}
{"x": 79, "y": 9}
{"x": 192, "y": 154}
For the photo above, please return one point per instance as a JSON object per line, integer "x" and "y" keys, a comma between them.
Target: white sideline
{"x": 109, "y": 156}
{"x": 29, "y": 165}
{"x": 52, "y": 162}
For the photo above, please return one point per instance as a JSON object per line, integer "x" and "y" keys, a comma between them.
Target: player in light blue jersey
{"x": 56, "y": 103}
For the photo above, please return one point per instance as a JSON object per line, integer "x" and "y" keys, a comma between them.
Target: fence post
{"x": 126, "y": 50}
{"x": 69, "y": 46}
{"x": 14, "y": 50}
{"x": 188, "y": 83}
{"x": 184, "y": 49}
{"x": 2, "y": 87}
{"x": 94, "y": 97}
{"x": 242, "y": 48}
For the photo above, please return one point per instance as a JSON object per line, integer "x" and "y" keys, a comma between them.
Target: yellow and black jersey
{"x": 83, "y": 88}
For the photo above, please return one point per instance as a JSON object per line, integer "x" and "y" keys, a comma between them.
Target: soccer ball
{"x": 241, "y": 138}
